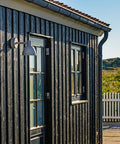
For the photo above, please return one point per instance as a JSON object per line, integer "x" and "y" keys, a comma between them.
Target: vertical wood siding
{"x": 3, "y": 94}
{"x": 15, "y": 71}
{"x": 71, "y": 124}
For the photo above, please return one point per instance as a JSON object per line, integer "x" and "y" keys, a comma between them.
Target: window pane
{"x": 32, "y": 63}
{"x": 73, "y": 83}
{"x": 32, "y": 114}
{"x": 36, "y": 41}
{"x": 79, "y": 83}
{"x": 32, "y": 87}
{"x": 78, "y": 60}
{"x": 40, "y": 60}
{"x": 40, "y": 112}
{"x": 76, "y": 47}
{"x": 40, "y": 86}
{"x": 72, "y": 60}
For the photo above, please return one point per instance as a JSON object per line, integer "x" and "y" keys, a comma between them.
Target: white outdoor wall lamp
{"x": 28, "y": 50}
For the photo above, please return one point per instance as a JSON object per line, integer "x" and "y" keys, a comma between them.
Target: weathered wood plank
{"x": 85, "y": 118}
{"x": 71, "y": 125}
{"x": 86, "y": 109}
{"x": 69, "y": 45}
{"x": 86, "y": 114}
{"x": 98, "y": 95}
{"x": 77, "y": 126}
{"x": 21, "y": 80}
{"x": 47, "y": 28}
{"x": 88, "y": 84}
{"x": 74, "y": 106}
{"x": 52, "y": 78}
{"x": 73, "y": 35}
{"x": 9, "y": 78}
{"x": 3, "y": 99}
{"x": 67, "y": 84}
{"x": 73, "y": 133}
{"x": 32, "y": 23}
{"x": 78, "y": 122}
{"x": 37, "y": 28}
{"x": 93, "y": 83}
{"x": 27, "y": 109}
{"x": 77, "y": 106}
{"x": 15, "y": 63}
{"x": 42, "y": 26}
{"x": 60, "y": 85}
{"x": 56, "y": 81}
{"x": 81, "y": 123}
{"x": 76, "y": 36}
{"x": 75, "y": 122}
{"x": 79, "y": 37}
{"x": 63, "y": 85}
{"x": 83, "y": 112}
{"x": 91, "y": 102}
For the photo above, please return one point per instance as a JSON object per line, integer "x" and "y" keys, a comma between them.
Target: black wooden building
{"x": 54, "y": 97}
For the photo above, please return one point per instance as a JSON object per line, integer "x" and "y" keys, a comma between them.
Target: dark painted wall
{"x": 71, "y": 124}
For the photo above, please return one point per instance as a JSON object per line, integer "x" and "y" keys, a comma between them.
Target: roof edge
{"x": 61, "y": 10}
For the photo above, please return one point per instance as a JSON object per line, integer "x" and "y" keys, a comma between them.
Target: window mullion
{"x": 36, "y": 87}
{"x": 81, "y": 71}
{"x": 75, "y": 72}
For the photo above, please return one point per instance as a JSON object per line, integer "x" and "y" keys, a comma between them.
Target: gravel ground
{"x": 111, "y": 133}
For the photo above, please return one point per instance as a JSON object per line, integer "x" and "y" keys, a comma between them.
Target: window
{"x": 78, "y": 76}
{"x": 37, "y": 79}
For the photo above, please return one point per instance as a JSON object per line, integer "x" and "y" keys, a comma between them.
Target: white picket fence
{"x": 111, "y": 107}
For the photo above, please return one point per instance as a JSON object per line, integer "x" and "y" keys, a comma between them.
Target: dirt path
{"x": 111, "y": 133}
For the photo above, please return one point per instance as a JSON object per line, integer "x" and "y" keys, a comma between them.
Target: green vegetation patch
{"x": 111, "y": 80}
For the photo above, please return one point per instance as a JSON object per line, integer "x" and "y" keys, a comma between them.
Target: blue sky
{"x": 107, "y": 11}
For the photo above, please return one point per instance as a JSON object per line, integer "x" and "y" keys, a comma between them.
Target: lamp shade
{"x": 29, "y": 50}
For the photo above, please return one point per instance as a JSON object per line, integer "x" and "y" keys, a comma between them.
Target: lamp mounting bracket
{"x": 13, "y": 43}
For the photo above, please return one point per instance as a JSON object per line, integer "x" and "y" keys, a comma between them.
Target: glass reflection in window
{"x": 78, "y": 62}
{"x": 79, "y": 83}
{"x": 72, "y": 60}
{"x": 32, "y": 114}
{"x": 40, "y": 62}
{"x": 32, "y": 86}
{"x": 73, "y": 83}
{"x": 32, "y": 63}
{"x": 40, "y": 112}
{"x": 40, "y": 86}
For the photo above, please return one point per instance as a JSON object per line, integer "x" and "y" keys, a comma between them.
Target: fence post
{"x": 110, "y": 106}
{"x": 104, "y": 106}
{"x": 118, "y": 107}
{"x": 107, "y": 107}
{"x": 115, "y": 107}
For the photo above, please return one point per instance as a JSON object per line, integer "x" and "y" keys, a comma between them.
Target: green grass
{"x": 111, "y": 80}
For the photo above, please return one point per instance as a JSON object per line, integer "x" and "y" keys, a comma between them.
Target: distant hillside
{"x": 111, "y": 64}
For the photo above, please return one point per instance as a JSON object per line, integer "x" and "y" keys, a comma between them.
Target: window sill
{"x": 38, "y": 127}
{"x": 79, "y": 101}
{"x": 37, "y": 131}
